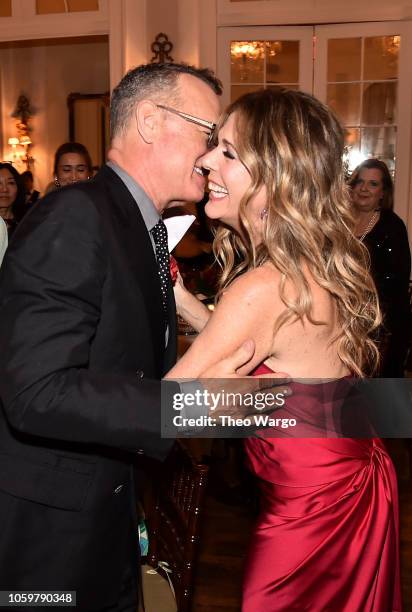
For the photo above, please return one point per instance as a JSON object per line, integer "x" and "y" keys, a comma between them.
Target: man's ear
{"x": 147, "y": 120}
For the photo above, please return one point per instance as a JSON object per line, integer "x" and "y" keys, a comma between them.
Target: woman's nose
{"x": 207, "y": 160}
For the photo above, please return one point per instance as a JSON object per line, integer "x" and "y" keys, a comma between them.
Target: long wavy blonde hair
{"x": 292, "y": 145}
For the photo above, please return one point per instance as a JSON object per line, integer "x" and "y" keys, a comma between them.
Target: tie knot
{"x": 159, "y": 233}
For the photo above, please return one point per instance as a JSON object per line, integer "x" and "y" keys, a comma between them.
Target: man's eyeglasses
{"x": 191, "y": 119}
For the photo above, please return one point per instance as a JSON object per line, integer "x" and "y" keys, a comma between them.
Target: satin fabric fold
{"x": 327, "y": 537}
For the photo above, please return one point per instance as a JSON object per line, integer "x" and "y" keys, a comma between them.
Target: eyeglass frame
{"x": 192, "y": 119}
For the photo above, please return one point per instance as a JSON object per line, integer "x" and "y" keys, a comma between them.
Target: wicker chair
{"x": 174, "y": 524}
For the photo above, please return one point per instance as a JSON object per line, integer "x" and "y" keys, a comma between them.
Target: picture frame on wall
{"x": 89, "y": 123}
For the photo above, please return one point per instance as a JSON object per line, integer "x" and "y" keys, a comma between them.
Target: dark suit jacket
{"x": 82, "y": 350}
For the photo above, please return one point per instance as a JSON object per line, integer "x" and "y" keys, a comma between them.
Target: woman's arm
{"x": 247, "y": 310}
{"x": 189, "y": 307}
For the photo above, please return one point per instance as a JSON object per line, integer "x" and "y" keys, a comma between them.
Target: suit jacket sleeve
{"x": 50, "y": 297}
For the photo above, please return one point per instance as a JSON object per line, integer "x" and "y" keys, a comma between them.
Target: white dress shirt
{"x": 3, "y": 239}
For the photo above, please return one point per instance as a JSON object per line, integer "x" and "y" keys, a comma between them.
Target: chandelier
{"x": 254, "y": 49}
{"x": 390, "y": 45}
{"x": 247, "y": 49}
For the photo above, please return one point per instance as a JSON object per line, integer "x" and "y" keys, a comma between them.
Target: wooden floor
{"x": 225, "y": 538}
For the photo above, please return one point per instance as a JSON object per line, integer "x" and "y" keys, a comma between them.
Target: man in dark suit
{"x": 32, "y": 195}
{"x": 87, "y": 329}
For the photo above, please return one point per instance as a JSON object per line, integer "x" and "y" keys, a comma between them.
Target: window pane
{"x": 83, "y": 5}
{"x": 287, "y": 85}
{"x": 379, "y": 103}
{"x": 381, "y": 57}
{"x": 344, "y": 59}
{"x": 282, "y": 60}
{"x": 352, "y": 137}
{"x": 45, "y": 7}
{"x": 352, "y": 156}
{"x": 246, "y": 61}
{"x": 238, "y": 90}
{"x": 5, "y": 8}
{"x": 379, "y": 142}
{"x": 344, "y": 99}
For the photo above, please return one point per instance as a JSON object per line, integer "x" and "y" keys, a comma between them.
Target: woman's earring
{"x": 56, "y": 181}
{"x": 264, "y": 213}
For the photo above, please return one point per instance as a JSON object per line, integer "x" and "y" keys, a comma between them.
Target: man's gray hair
{"x": 152, "y": 81}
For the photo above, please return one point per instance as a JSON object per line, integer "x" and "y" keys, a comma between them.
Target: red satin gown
{"x": 327, "y": 537}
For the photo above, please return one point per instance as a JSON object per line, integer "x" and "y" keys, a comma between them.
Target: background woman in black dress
{"x": 385, "y": 235}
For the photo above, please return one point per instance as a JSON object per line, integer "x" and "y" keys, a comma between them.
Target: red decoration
{"x": 174, "y": 269}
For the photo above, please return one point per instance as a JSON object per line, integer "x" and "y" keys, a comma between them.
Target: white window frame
{"x": 304, "y": 34}
{"x": 403, "y": 176}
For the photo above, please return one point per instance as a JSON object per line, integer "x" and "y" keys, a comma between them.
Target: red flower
{"x": 174, "y": 269}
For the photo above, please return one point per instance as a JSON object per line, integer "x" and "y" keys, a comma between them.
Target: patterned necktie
{"x": 159, "y": 233}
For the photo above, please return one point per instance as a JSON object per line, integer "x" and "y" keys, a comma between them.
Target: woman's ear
{"x": 147, "y": 120}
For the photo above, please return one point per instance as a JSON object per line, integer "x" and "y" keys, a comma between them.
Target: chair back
{"x": 174, "y": 523}
{"x": 408, "y": 357}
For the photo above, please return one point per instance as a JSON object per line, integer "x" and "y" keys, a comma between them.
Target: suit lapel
{"x": 138, "y": 246}
{"x": 171, "y": 349}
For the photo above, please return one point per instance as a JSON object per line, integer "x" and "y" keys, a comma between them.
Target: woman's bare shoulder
{"x": 258, "y": 283}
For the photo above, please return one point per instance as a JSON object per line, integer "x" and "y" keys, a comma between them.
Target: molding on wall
{"x": 289, "y": 12}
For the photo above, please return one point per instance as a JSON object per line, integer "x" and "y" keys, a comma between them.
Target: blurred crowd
{"x": 72, "y": 163}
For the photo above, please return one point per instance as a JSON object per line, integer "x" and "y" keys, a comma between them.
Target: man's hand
{"x": 221, "y": 378}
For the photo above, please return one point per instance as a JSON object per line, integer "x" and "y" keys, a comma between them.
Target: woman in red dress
{"x": 295, "y": 279}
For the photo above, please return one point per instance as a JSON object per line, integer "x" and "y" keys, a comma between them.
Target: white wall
{"x": 189, "y": 24}
{"x": 47, "y": 71}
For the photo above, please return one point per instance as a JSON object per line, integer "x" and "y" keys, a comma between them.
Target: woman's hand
{"x": 188, "y": 306}
{"x": 182, "y": 295}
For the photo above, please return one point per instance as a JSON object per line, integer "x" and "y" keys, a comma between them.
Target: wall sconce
{"x": 15, "y": 153}
{"x": 20, "y": 151}
{"x": 20, "y": 145}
